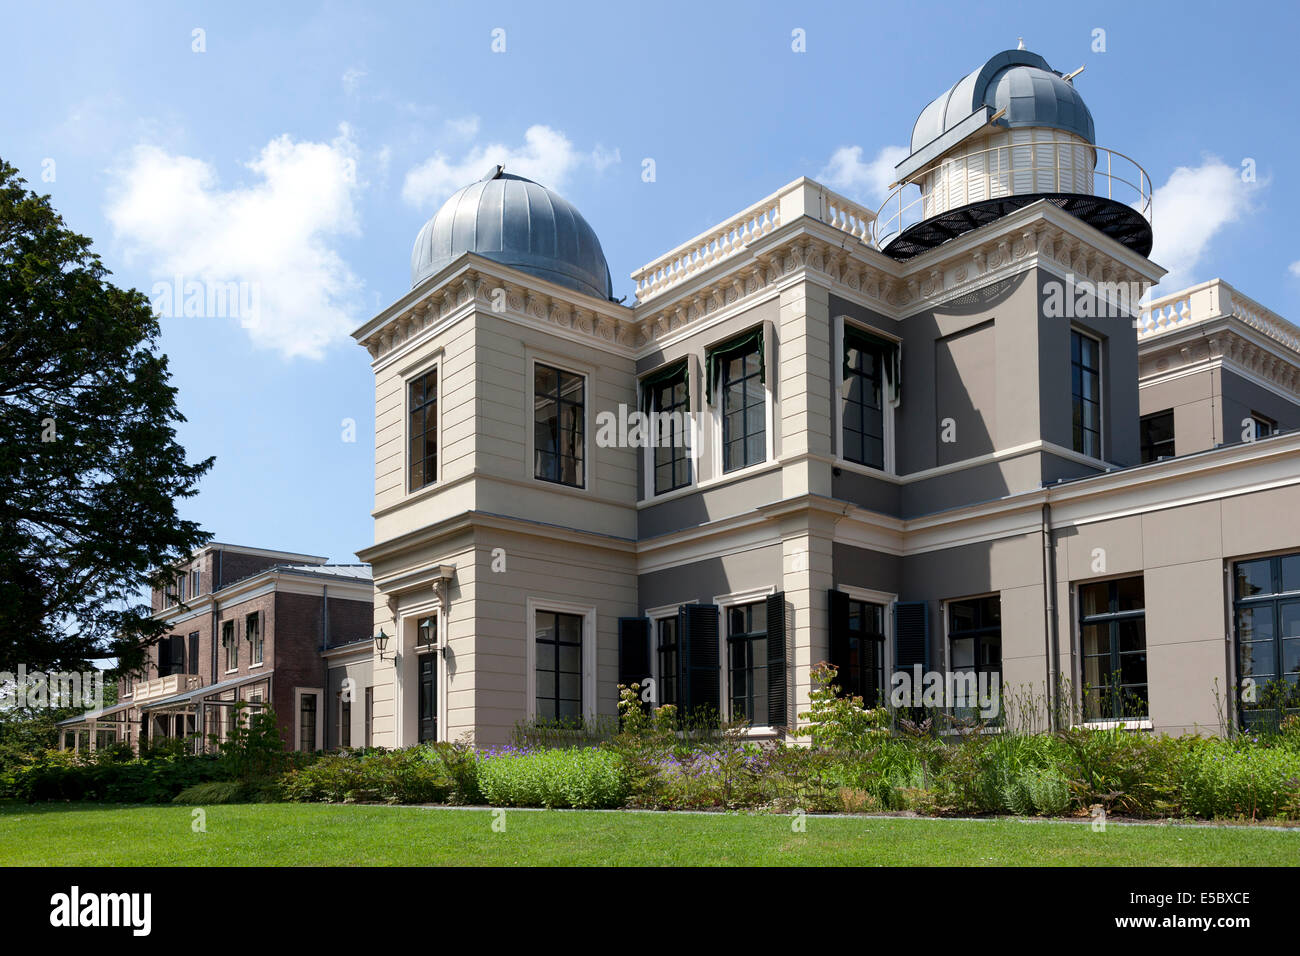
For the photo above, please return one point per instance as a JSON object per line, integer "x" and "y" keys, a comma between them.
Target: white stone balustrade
{"x": 803, "y": 197}
{"x": 1211, "y": 300}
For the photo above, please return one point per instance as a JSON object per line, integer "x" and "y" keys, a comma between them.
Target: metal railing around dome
{"x": 1123, "y": 177}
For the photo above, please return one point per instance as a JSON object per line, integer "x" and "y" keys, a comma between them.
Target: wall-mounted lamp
{"x": 381, "y": 642}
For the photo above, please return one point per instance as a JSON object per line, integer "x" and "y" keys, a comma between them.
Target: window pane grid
{"x": 422, "y": 402}
{"x": 559, "y": 410}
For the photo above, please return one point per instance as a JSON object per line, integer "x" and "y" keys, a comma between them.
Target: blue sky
{"x": 303, "y": 148}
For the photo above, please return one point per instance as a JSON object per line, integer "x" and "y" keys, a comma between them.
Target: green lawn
{"x": 311, "y": 834}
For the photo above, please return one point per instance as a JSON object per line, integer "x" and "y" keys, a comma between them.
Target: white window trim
{"x": 887, "y": 600}
{"x": 837, "y": 401}
{"x": 409, "y": 624}
{"x": 588, "y": 613}
{"x": 771, "y": 371}
{"x": 1102, "y": 402}
{"x": 724, "y": 603}
{"x": 655, "y": 615}
{"x": 297, "y": 716}
{"x": 693, "y": 438}
{"x": 408, "y": 375}
{"x": 533, "y": 358}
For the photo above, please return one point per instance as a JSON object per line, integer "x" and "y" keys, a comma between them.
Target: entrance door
{"x": 428, "y": 697}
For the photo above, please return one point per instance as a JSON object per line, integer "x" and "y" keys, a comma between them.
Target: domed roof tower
{"x": 1010, "y": 133}
{"x": 518, "y": 223}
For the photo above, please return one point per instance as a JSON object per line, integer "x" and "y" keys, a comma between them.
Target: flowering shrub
{"x": 1223, "y": 778}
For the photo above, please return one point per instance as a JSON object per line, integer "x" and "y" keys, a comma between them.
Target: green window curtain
{"x": 663, "y": 376}
{"x": 745, "y": 341}
{"x": 857, "y": 338}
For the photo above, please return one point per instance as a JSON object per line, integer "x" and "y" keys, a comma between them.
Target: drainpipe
{"x": 1049, "y": 610}
{"x": 325, "y": 664}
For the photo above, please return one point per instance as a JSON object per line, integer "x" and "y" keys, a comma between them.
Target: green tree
{"x": 90, "y": 470}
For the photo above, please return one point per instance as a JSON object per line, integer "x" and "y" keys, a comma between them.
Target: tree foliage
{"x": 90, "y": 469}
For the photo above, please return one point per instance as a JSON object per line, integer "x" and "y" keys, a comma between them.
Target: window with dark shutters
{"x": 701, "y": 679}
{"x": 777, "y": 706}
{"x": 633, "y": 651}
{"x": 193, "y": 659}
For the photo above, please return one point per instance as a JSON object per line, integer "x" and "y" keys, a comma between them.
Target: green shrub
{"x": 1229, "y": 779}
{"x": 583, "y": 779}
{"x": 217, "y": 792}
{"x": 61, "y": 777}
{"x": 394, "y": 776}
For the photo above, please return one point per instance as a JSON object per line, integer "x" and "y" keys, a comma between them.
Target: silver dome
{"x": 1031, "y": 91}
{"x": 518, "y": 223}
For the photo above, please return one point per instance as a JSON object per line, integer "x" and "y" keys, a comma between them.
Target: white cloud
{"x": 278, "y": 234}
{"x": 546, "y": 156}
{"x": 1190, "y": 209}
{"x": 866, "y": 181}
{"x": 352, "y": 78}
{"x": 1295, "y": 268}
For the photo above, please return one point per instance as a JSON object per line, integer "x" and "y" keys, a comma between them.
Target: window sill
{"x": 1132, "y": 723}
{"x": 738, "y": 475}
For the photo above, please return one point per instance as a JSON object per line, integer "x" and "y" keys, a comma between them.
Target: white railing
{"x": 1123, "y": 179}
{"x": 1211, "y": 300}
{"x": 803, "y": 197}
{"x": 159, "y": 687}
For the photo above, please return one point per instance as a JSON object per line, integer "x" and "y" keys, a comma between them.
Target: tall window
{"x": 744, "y": 406}
{"x": 669, "y": 402}
{"x": 422, "y": 402}
{"x": 559, "y": 666}
{"x": 307, "y": 722}
{"x": 231, "y": 644}
{"x": 863, "y": 674}
{"x": 975, "y": 639}
{"x": 345, "y": 721}
{"x": 862, "y": 401}
{"x": 194, "y": 583}
{"x": 1267, "y": 605}
{"x": 747, "y": 661}
{"x": 1157, "y": 435}
{"x": 1114, "y": 649}
{"x": 253, "y": 633}
{"x": 428, "y": 697}
{"x": 666, "y": 648}
{"x": 1085, "y": 382}
{"x": 559, "y": 409}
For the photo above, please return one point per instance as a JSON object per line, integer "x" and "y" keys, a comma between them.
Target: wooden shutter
{"x": 911, "y": 635}
{"x": 193, "y": 660}
{"x": 839, "y": 637}
{"x": 633, "y": 650}
{"x": 697, "y": 642}
{"x": 777, "y": 705}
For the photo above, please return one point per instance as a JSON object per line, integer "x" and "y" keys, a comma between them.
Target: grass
{"x": 325, "y": 835}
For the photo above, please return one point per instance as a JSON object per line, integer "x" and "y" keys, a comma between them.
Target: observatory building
{"x": 938, "y": 438}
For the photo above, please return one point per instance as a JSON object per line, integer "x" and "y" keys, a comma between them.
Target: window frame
{"x": 1112, "y": 618}
{"x": 979, "y": 635}
{"x": 649, "y": 403}
{"x": 720, "y": 406}
{"x": 655, "y": 615}
{"x": 843, "y": 325}
{"x": 1275, "y": 598}
{"x": 1099, "y": 371}
{"x": 534, "y": 605}
{"x": 318, "y": 724}
{"x": 724, "y": 604}
{"x": 230, "y": 641}
{"x": 1144, "y": 445}
{"x": 256, "y": 643}
{"x": 409, "y": 379}
{"x": 560, "y": 366}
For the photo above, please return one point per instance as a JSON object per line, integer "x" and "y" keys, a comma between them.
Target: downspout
{"x": 1049, "y": 609}
{"x": 325, "y": 664}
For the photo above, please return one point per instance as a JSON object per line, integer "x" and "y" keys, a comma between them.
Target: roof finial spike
{"x": 1020, "y": 43}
